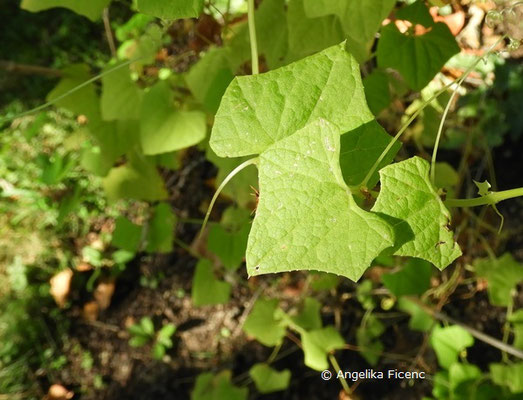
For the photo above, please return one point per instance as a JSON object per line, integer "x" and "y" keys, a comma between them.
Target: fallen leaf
{"x": 103, "y": 294}
{"x": 90, "y": 311}
{"x": 58, "y": 392}
{"x": 60, "y": 285}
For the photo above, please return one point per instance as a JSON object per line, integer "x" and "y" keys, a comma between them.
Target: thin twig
{"x": 109, "y": 32}
{"x": 25, "y": 69}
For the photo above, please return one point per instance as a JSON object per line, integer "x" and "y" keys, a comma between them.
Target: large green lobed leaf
{"x": 171, "y": 9}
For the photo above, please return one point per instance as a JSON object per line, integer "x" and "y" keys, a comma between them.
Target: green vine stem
{"x": 252, "y": 38}
{"x": 227, "y": 179}
{"x": 337, "y": 368}
{"x": 489, "y": 199}
{"x": 457, "y": 81}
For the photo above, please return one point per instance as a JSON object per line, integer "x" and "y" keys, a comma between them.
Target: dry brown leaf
{"x": 90, "y": 311}
{"x": 103, "y": 294}
{"x": 58, "y": 392}
{"x": 60, "y": 286}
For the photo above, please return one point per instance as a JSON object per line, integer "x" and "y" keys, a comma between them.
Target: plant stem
{"x": 491, "y": 198}
{"x": 231, "y": 175}
{"x": 109, "y": 32}
{"x": 252, "y": 38}
{"x": 337, "y": 368}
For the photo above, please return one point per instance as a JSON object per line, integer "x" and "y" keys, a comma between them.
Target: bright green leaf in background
{"x": 377, "y": 90}
{"x": 160, "y": 235}
{"x": 417, "y": 58}
{"x": 516, "y": 319}
{"x": 422, "y": 220}
{"x": 121, "y": 97}
{"x": 217, "y": 387}
{"x": 264, "y": 322}
{"x": 508, "y": 375}
{"x": 309, "y": 317}
{"x": 502, "y": 275}
{"x": 171, "y": 9}
{"x": 420, "y": 320}
{"x": 91, "y": 9}
{"x": 138, "y": 179}
{"x": 268, "y": 380}
{"x": 164, "y": 129}
{"x": 360, "y": 20}
{"x": 126, "y": 235}
{"x": 448, "y": 342}
{"x": 412, "y": 279}
{"x": 206, "y": 289}
{"x": 360, "y": 148}
{"x": 317, "y": 344}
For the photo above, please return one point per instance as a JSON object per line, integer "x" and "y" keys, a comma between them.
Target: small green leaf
{"x": 417, "y": 13}
{"x": 367, "y": 337}
{"x": 209, "y": 78}
{"x": 164, "y": 129}
{"x": 206, "y": 289}
{"x": 268, "y": 380}
{"x": 417, "y": 58}
{"x": 516, "y": 319}
{"x": 160, "y": 235}
{"x": 217, "y": 387}
{"x": 461, "y": 373}
{"x": 420, "y": 320}
{"x": 158, "y": 351}
{"x": 377, "y": 90}
{"x": 324, "y": 281}
{"x": 171, "y": 9}
{"x": 264, "y": 324}
{"x": 138, "y": 341}
{"x": 228, "y": 246}
{"x": 448, "y": 342}
{"x": 138, "y": 180}
{"x": 147, "y": 325}
{"x": 502, "y": 275}
{"x": 412, "y": 279}
{"x": 483, "y": 187}
{"x": 122, "y": 256}
{"x": 309, "y": 318}
{"x": 510, "y": 376}
{"x": 126, "y": 235}
{"x": 121, "y": 98}
{"x": 167, "y": 331}
{"x": 419, "y": 217}
{"x": 360, "y": 148}
{"x": 317, "y": 344}
{"x": 91, "y": 9}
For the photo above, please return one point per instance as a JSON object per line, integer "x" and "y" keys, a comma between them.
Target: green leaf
{"x": 317, "y": 344}
{"x": 377, "y": 91}
{"x": 166, "y": 332}
{"x": 502, "y": 275}
{"x": 417, "y": 58}
{"x": 445, "y": 176}
{"x": 135, "y": 180}
{"x": 367, "y": 337}
{"x": 510, "y": 376}
{"x": 158, "y": 351}
{"x": 360, "y": 148}
{"x": 164, "y": 129}
{"x": 84, "y": 101}
{"x": 419, "y": 217}
{"x": 294, "y": 116}
{"x": 209, "y": 78}
{"x": 91, "y": 9}
{"x": 268, "y": 380}
{"x": 121, "y": 98}
{"x": 217, "y": 387}
{"x": 206, "y": 289}
{"x": 264, "y": 323}
{"x": 420, "y": 320}
{"x": 309, "y": 35}
{"x": 448, "y": 342}
{"x": 258, "y": 111}
{"x": 412, "y": 279}
{"x": 417, "y": 13}
{"x": 126, "y": 235}
{"x": 309, "y": 318}
{"x": 461, "y": 373}
{"x": 360, "y": 19}
{"x": 171, "y": 9}
{"x": 516, "y": 319}
{"x": 138, "y": 341}
{"x": 147, "y": 325}
{"x": 306, "y": 216}
{"x": 228, "y": 246}
{"x": 160, "y": 235}
{"x": 324, "y": 281}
